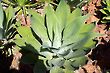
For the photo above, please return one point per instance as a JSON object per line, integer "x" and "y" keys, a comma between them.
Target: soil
{"x": 12, "y": 64}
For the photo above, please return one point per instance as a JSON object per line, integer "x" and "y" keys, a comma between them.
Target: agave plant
{"x": 60, "y": 38}
{"x": 7, "y": 30}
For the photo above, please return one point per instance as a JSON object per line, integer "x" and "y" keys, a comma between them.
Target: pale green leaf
{"x": 37, "y": 24}
{"x": 9, "y": 15}
{"x": 19, "y": 41}
{"x": 1, "y": 33}
{"x": 79, "y": 61}
{"x": 68, "y": 71}
{"x": 53, "y": 27}
{"x": 1, "y": 16}
{"x": 75, "y": 54}
{"x": 68, "y": 65}
{"x": 47, "y": 54}
{"x": 72, "y": 31}
{"x": 48, "y": 1}
{"x": 76, "y": 13}
{"x": 108, "y": 2}
{"x": 61, "y": 13}
{"x": 56, "y": 70}
{"x": 50, "y": 21}
{"x": 21, "y": 3}
{"x": 103, "y": 11}
{"x": 58, "y": 62}
{"x": 28, "y": 37}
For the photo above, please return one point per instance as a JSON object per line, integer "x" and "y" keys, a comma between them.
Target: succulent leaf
{"x": 64, "y": 37}
{"x": 1, "y": 16}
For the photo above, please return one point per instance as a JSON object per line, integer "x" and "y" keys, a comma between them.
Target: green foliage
{"x": 106, "y": 11}
{"x": 1, "y": 16}
{"x": 21, "y": 3}
{"x": 7, "y": 30}
{"x": 61, "y": 39}
{"x": 21, "y": 7}
{"x": 16, "y": 2}
{"x": 7, "y": 21}
{"x": 27, "y": 39}
{"x": 1, "y": 21}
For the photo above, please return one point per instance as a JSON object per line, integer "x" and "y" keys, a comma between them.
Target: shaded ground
{"x": 102, "y": 55}
{"x": 6, "y": 63}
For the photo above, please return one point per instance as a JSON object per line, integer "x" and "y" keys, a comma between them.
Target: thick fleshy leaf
{"x": 53, "y": 26}
{"x": 108, "y": 2}
{"x": 80, "y": 41}
{"x": 1, "y": 16}
{"x": 1, "y": 33}
{"x": 103, "y": 11}
{"x": 68, "y": 71}
{"x": 77, "y": 31}
{"x": 63, "y": 51}
{"x": 74, "y": 26}
{"x": 48, "y": 1}
{"x": 79, "y": 61}
{"x": 58, "y": 62}
{"x": 61, "y": 19}
{"x": 62, "y": 12}
{"x": 50, "y": 21}
{"x": 9, "y": 15}
{"x": 21, "y": 3}
{"x": 6, "y": 1}
{"x": 75, "y": 54}
{"x": 47, "y": 54}
{"x": 28, "y": 37}
{"x": 56, "y": 70}
{"x": 19, "y": 41}
{"x": 68, "y": 65}
{"x": 37, "y": 24}
{"x": 89, "y": 43}
{"x": 76, "y": 13}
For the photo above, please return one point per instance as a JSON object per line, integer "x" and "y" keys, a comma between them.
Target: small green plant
{"x": 60, "y": 38}
{"x": 7, "y": 30}
{"x": 106, "y": 11}
{"x": 21, "y": 8}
